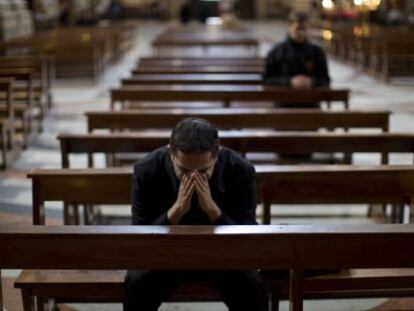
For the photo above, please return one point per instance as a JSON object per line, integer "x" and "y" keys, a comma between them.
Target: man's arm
{"x": 273, "y": 74}
{"x": 244, "y": 200}
{"x": 141, "y": 213}
{"x": 321, "y": 77}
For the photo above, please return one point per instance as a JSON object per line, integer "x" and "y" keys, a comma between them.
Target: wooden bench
{"x": 345, "y": 184}
{"x": 385, "y": 52}
{"x": 6, "y": 121}
{"x": 239, "y": 118}
{"x": 112, "y": 186}
{"x": 226, "y": 94}
{"x": 44, "y": 61}
{"x": 42, "y": 78}
{"x": 396, "y": 57}
{"x": 197, "y": 61}
{"x": 168, "y": 41}
{"x": 23, "y": 105}
{"x": 235, "y": 69}
{"x": 95, "y": 48}
{"x": 234, "y": 79}
{"x": 243, "y": 142}
{"x": 315, "y": 244}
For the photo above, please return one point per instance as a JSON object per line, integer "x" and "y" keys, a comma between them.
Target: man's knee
{"x": 242, "y": 290}
{"x": 146, "y": 290}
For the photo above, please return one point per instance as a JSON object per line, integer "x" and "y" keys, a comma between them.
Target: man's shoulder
{"x": 278, "y": 47}
{"x": 233, "y": 161}
{"x": 152, "y": 163}
{"x": 315, "y": 47}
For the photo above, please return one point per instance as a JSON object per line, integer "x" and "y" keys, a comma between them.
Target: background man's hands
{"x": 301, "y": 82}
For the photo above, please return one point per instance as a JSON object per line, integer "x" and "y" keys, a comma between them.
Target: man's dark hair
{"x": 297, "y": 17}
{"x": 194, "y": 135}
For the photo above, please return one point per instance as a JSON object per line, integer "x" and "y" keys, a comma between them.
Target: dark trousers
{"x": 239, "y": 290}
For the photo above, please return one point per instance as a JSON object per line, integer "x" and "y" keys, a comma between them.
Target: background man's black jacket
{"x": 288, "y": 59}
{"x": 155, "y": 190}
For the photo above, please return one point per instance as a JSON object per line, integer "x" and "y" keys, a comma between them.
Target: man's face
{"x": 298, "y": 31}
{"x": 187, "y": 163}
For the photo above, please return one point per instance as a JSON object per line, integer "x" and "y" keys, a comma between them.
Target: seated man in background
{"x": 194, "y": 181}
{"x": 295, "y": 62}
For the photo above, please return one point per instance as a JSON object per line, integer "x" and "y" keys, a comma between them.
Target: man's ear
{"x": 170, "y": 151}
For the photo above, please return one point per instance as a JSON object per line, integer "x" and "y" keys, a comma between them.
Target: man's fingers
{"x": 184, "y": 181}
{"x": 200, "y": 186}
{"x": 189, "y": 191}
{"x": 201, "y": 178}
{"x": 189, "y": 186}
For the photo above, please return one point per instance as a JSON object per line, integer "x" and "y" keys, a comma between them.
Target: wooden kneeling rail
{"x": 294, "y": 248}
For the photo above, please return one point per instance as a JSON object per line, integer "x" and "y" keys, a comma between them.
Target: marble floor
{"x": 73, "y": 98}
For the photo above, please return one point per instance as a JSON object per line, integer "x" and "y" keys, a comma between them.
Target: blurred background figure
{"x": 296, "y": 62}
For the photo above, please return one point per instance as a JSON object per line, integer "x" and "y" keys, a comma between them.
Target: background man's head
{"x": 298, "y": 26}
{"x": 194, "y": 145}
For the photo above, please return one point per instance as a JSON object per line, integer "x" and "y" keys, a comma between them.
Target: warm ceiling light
{"x": 328, "y": 4}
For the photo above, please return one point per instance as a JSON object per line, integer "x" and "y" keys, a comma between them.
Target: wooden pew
{"x": 370, "y": 184}
{"x": 205, "y": 40}
{"x": 297, "y": 248}
{"x": 243, "y": 142}
{"x": 383, "y": 51}
{"x": 95, "y": 47}
{"x": 97, "y": 186}
{"x": 6, "y": 121}
{"x": 226, "y": 94}
{"x": 23, "y": 105}
{"x": 42, "y": 80}
{"x": 197, "y": 61}
{"x": 396, "y": 57}
{"x": 239, "y": 118}
{"x": 235, "y": 69}
{"x": 234, "y": 79}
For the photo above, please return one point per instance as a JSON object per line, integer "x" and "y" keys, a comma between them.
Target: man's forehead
{"x": 197, "y": 161}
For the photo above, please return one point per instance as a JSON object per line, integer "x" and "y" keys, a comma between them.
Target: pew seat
{"x": 65, "y": 286}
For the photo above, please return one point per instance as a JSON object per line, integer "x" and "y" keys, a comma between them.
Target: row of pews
{"x": 385, "y": 52}
{"x": 79, "y": 52}
{"x": 29, "y": 67}
{"x": 26, "y": 98}
{"x": 139, "y": 120}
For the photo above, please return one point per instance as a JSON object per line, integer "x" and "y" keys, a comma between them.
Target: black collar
{"x": 295, "y": 43}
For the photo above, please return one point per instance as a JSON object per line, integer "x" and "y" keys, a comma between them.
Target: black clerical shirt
{"x": 289, "y": 59}
{"x": 155, "y": 190}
